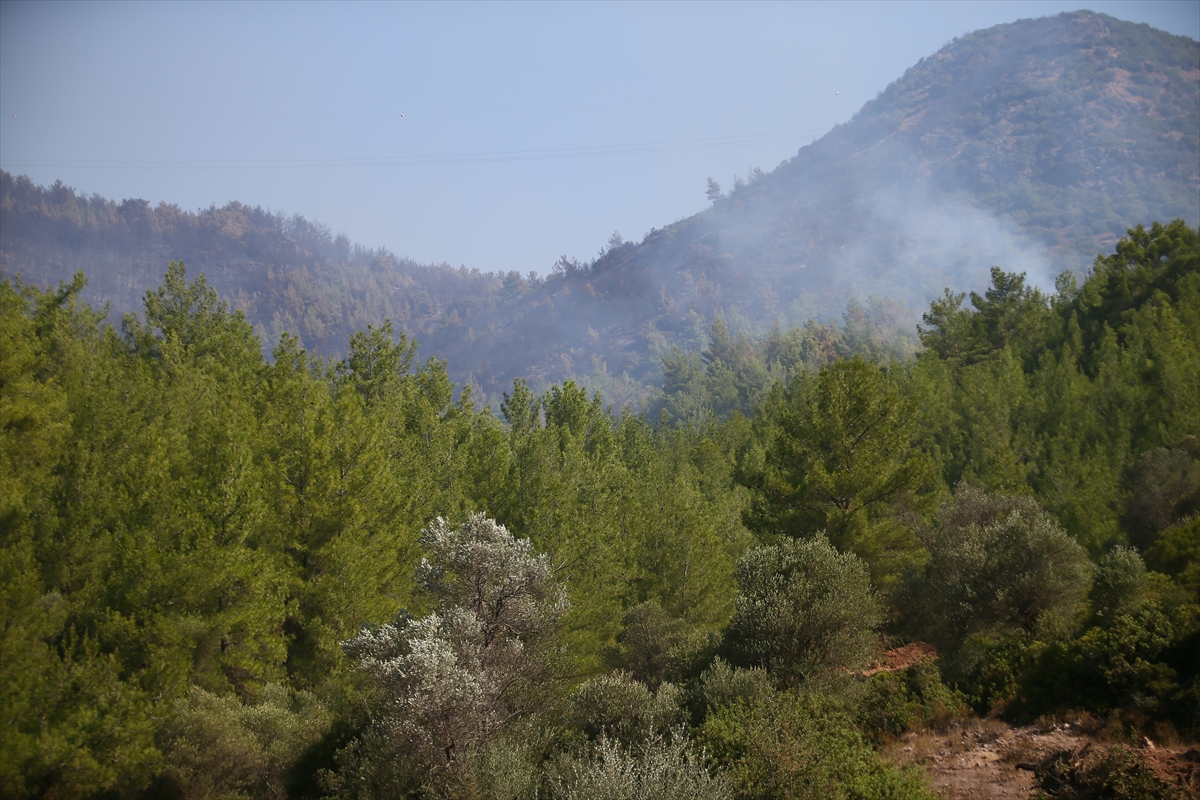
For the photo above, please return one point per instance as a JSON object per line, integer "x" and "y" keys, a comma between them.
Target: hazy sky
{"x": 528, "y": 130}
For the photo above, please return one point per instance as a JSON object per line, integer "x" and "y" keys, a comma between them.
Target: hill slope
{"x": 285, "y": 274}
{"x": 1032, "y": 145}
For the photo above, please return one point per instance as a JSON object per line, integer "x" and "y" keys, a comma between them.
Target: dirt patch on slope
{"x": 1176, "y": 767}
{"x": 985, "y": 759}
{"x": 899, "y": 658}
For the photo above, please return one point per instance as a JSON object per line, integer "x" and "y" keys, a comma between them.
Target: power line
{"x": 447, "y": 158}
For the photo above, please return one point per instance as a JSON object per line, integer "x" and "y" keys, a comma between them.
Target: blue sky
{"x": 529, "y": 130}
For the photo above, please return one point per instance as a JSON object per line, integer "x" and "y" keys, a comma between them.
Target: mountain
{"x": 1032, "y": 146}
{"x": 285, "y": 274}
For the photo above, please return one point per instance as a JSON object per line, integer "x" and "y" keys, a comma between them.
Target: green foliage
{"x": 218, "y": 747}
{"x": 1177, "y": 553}
{"x": 191, "y": 318}
{"x": 723, "y": 685}
{"x": 1086, "y": 401}
{"x": 1008, "y": 315}
{"x": 897, "y": 702}
{"x": 73, "y": 726}
{"x": 1120, "y": 662}
{"x": 179, "y": 513}
{"x": 1133, "y": 665}
{"x": 620, "y": 708}
{"x": 1149, "y": 267}
{"x": 996, "y": 565}
{"x": 506, "y": 768}
{"x": 661, "y": 768}
{"x": 75, "y": 723}
{"x": 843, "y": 461}
{"x": 654, "y": 647}
{"x": 377, "y": 361}
{"x": 1120, "y": 585}
{"x": 804, "y": 610}
{"x": 189, "y": 532}
{"x": 990, "y": 669}
{"x": 1166, "y": 490}
{"x": 32, "y": 408}
{"x": 797, "y": 746}
{"x": 629, "y": 514}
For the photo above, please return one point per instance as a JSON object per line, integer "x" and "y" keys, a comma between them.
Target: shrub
{"x": 661, "y": 768}
{"x": 722, "y": 685}
{"x": 447, "y": 683}
{"x": 1119, "y": 664}
{"x": 804, "y": 609}
{"x": 989, "y": 670}
{"x": 1114, "y": 667}
{"x": 617, "y": 707}
{"x": 996, "y": 565}
{"x": 801, "y": 747}
{"x": 505, "y": 768}
{"x": 1120, "y": 585}
{"x": 654, "y": 646}
{"x": 219, "y": 747}
{"x": 897, "y": 702}
{"x": 1177, "y": 553}
{"x": 1115, "y": 774}
{"x": 1164, "y": 490}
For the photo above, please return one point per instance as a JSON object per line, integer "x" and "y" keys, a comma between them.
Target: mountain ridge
{"x": 1033, "y": 145}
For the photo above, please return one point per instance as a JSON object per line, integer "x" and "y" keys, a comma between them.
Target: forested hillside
{"x": 232, "y": 576}
{"x": 1029, "y": 146}
{"x": 283, "y": 274}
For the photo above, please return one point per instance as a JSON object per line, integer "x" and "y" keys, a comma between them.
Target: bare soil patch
{"x": 986, "y": 759}
{"x": 899, "y": 658}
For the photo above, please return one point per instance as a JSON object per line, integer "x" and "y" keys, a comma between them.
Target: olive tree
{"x": 997, "y": 565}
{"x": 803, "y": 610}
{"x": 451, "y": 681}
{"x": 617, "y": 706}
{"x": 1121, "y": 585}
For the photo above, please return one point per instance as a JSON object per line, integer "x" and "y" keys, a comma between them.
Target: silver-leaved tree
{"x": 451, "y": 682}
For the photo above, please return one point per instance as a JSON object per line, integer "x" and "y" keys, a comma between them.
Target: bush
{"x": 1177, "y": 553}
{"x": 1118, "y": 667}
{"x": 1115, "y": 774}
{"x": 448, "y": 683}
{"x": 505, "y": 768}
{"x": 1164, "y": 490}
{"x": 661, "y": 768}
{"x": 990, "y": 671}
{"x": 905, "y": 700}
{"x": 1120, "y": 586}
{"x": 722, "y": 685}
{"x": 618, "y": 707}
{"x": 654, "y": 646}
{"x": 801, "y": 747}
{"x": 218, "y": 747}
{"x": 996, "y": 565}
{"x": 804, "y": 610}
